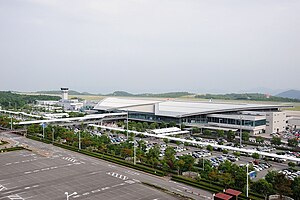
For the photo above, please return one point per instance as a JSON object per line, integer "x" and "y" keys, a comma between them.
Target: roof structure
{"x": 112, "y": 103}
{"x": 179, "y": 108}
{"x": 233, "y": 192}
{"x": 223, "y": 196}
{"x": 166, "y": 130}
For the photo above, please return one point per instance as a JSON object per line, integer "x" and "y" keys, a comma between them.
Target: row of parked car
{"x": 200, "y": 154}
{"x": 290, "y": 174}
{"x": 116, "y": 139}
{"x": 259, "y": 167}
{"x": 217, "y": 160}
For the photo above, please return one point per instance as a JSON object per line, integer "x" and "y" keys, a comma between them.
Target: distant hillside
{"x": 58, "y": 92}
{"x": 293, "y": 94}
{"x": 160, "y": 95}
{"x": 247, "y": 96}
{"x": 10, "y": 99}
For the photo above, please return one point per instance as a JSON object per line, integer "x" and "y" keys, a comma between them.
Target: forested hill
{"x": 19, "y": 100}
{"x": 159, "y": 95}
{"x": 58, "y": 92}
{"x": 246, "y": 96}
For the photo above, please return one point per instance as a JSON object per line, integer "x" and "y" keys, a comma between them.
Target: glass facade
{"x": 237, "y": 121}
{"x": 151, "y": 117}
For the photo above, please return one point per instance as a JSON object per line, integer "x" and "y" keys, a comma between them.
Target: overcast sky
{"x": 150, "y": 46}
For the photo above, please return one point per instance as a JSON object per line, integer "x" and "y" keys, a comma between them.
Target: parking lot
{"x": 26, "y": 175}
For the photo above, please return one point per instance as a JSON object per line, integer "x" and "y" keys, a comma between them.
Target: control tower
{"x": 64, "y": 94}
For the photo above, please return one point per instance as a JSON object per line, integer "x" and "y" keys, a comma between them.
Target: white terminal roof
{"x": 113, "y": 103}
{"x": 178, "y": 108}
{"x": 166, "y": 130}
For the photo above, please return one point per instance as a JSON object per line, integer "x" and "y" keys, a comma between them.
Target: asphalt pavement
{"x": 49, "y": 171}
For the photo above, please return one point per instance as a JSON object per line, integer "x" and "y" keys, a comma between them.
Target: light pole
{"x": 241, "y": 131}
{"x": 247, "y": 185}
{"x": 127, "y": 125}
{"x": 79, "y": 138}
{"x": 52, "y": 135}
{"x": 43, "y": 125}
{"x": 11, "y": 123}
{"x": 69, "y": 195}
{"x": 134, "y": 152}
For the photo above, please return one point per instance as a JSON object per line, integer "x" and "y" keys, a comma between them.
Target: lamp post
{"x": 11, "y": 123}
{"x": 127, "y": 125}
{"x": 43, "y": 126}
{"x": 79, "y": 142}
{"x": 52, "y": 135}
{"x": 69, "y": 195}
{"x": 247, "y": 185}
{"x": 241, "y": 130}
{"x": 134, "y": 151}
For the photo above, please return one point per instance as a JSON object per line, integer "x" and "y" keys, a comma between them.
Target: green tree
{"x": 153, "y": 156}
{"x": 270, "y": 177}
{"x": 188, "y": 162}
{"x": 169, "y": 157}
{"x": 172, "y": 124}
{"x": 195, "y": 130}
{"x": 145, "y": 125}
{"x": 276, "y": 141}
{"x": 207, "y": 132}
{"x": 209, "y": 148}
{"x": 220, "y": 133}
{"x": 293, "y": 142}
{"x": 163, "y": 125}
{"x": 292, "y": 164}
{"x": 296, "y": 188}
{"x": 180, "y": 164}
{"x": 226, "y": 179}
{"x": 166, "y": 140}
{"x": 262, "y": 187}
{"x": 259, "y": 139}
{"x": 282, "y": 185}
{"x": 255, "y": 155}
{"x": 230, "y": 135}
{"x": 245, "y": 136}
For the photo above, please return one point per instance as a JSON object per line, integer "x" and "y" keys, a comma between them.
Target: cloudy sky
{"x": 150, "y": 46}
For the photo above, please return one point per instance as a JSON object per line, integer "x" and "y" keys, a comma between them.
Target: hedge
{"x": 112, "y": 159}
{"x": 11, "y": 149}
{"x": 211, "y": 187}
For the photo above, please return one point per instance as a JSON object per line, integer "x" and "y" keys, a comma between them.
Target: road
{"x": 52, "y": 171}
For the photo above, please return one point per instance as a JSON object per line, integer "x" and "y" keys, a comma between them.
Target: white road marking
{"x": 15, "y": 197}
{"x": 2, "y": 188}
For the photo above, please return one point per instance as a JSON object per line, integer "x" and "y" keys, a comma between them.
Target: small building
{"x": 222, "y": 196}
{"x": 233, "y": 193}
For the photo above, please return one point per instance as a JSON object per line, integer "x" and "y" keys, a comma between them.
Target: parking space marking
{"x": 2, "y": 187}
{"x": 15, "y": 197}
{"x": 105, "y": 188}
{"x": 69, "y": 159}
{"x": 120, "y": 176}
{"x": 51, "y": 168}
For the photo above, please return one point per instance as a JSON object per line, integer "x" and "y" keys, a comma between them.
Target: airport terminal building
{"x": 253, "y": 118}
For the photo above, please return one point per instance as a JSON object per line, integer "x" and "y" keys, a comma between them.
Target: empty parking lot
{"x": 26, "y": 175}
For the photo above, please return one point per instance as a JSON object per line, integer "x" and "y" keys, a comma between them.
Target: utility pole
{"x": 127, "y": 124}
{"x": 43, "y": 125}
{"x": 52, "y": 135}
{"x": 11, "y": 123}
{"x": 247, "y": 187}
{"x": 79, "y": 144}
{"x": 241, "y": 131}
{"x": 134, "y": 152}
